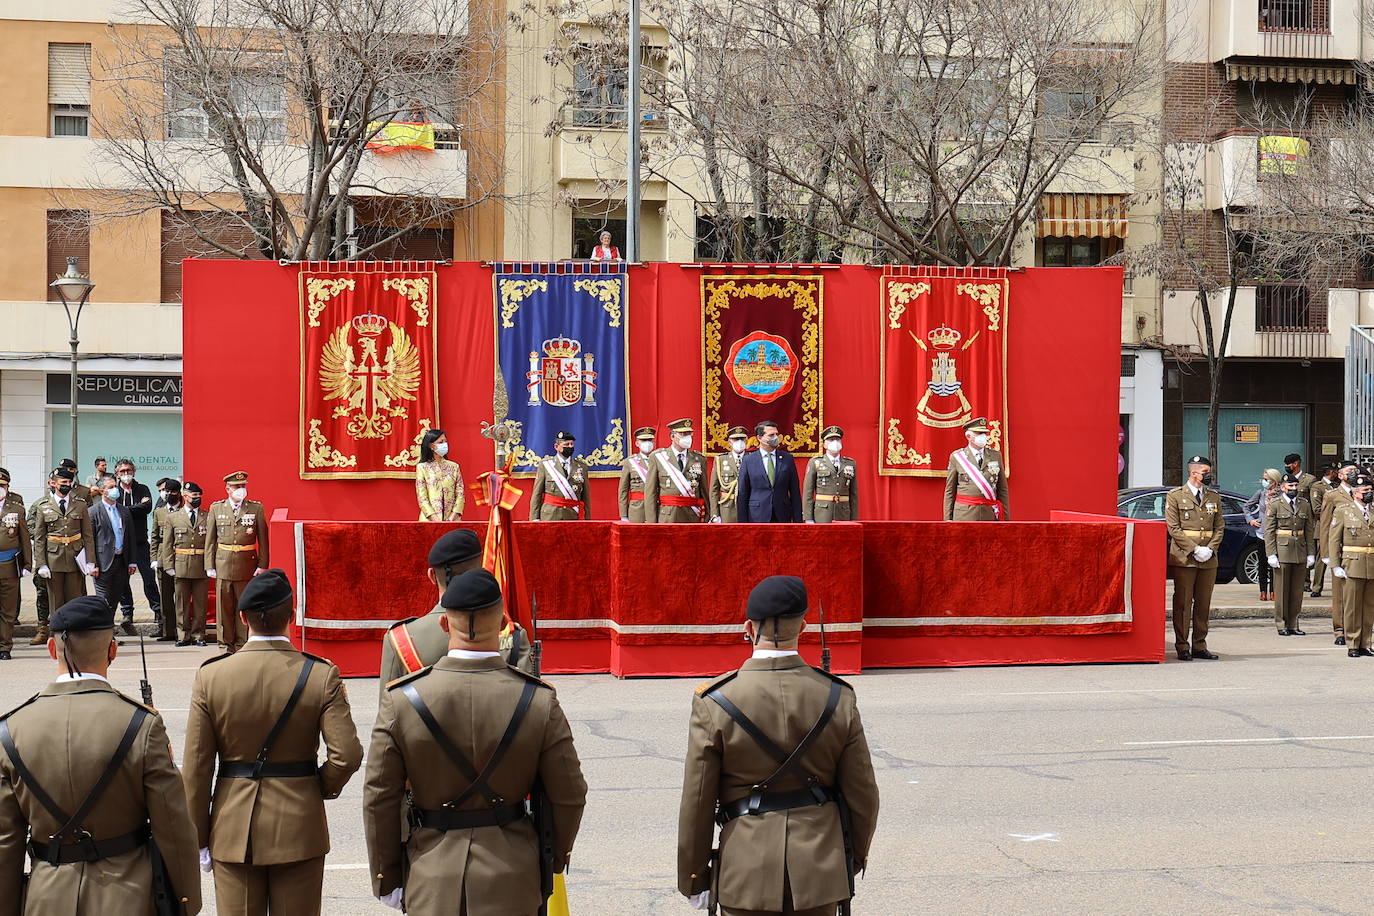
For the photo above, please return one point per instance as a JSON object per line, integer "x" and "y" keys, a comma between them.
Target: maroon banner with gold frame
{"x": 944, "y": 355}
{"x": 761, "y": 358}
{"x": 369, "y": 389}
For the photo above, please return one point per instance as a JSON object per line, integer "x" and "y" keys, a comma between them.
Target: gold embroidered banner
{"x": 944, "y": 355}
{"x": 369, "y": 389}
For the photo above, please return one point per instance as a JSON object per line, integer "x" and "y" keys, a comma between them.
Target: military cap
{"x": 1291, "y": 478}
{"x": 1330, "y": 466}
{"x": 192, "y": 487}
{"x": 265, "y": 591}
{"x": 832, "y": 432}
{"x": 1291, "y": 457}
{"x": 680, "y": 426}
{"x": 1361, "y": 480}
{"x": 67, "y": 463}
{"x": 64, "y": 474}
{"x": 4, "y": 476}
{"x": 454, "y": 547}
{"x": 474, "y": 590}
{"x": 173, "y": 485}
{"x": 976, "y": 425}
{"x": 737, "y": 432}
{"x": 777, "y": 596}
{"x": 645, "y": 432}
{"x": 1200, "y": 459}
{"x": 564, "y": 436}
{"x": 1348, "y": 463}
{"x": 89, "y": 612}
{"x": 236, "y": 477}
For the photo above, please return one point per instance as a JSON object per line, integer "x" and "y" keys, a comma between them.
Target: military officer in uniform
{"x": 16, "y": 560}
{"x": 1331, "y": 501}
{"x": 87, "y": 781}
{"x": 261, "y": 713}
{"x": 1352, "y": 553}
{"x": 1316, "y": 495}
{"x": 188, "y": 530}
{"x": 633, "y": 475}
{"x": 40, "y": 584}
{"x": 473, "y": 849}
{"x": 1290, "y": 533}
{"x": 776, "y": 753}
{"x": 421, "y": 641}
{"x": 235, "y": 551}
{"x": 1193, "y": 514}
{"x": 79, "y": 490}
{"x": 976, "y": 486}
{"x": 724, "y": 490}
{"x": 163, "y": 559}
{"x": 62, "y": 532}
{"x": 830, "y": 492}
{"x": 676, "y": 488}
{"x": 562, "y": 484}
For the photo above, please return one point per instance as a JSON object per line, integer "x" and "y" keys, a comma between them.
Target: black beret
{"x": 1200, "y": 459}
{"x": 1348, "y": 463}
{"x": 1291, "y": 478}
{"x": 173, "y": 485}
{"x": 64, "y": 474}
{"x": 192, "y": 487}
{"x": 1291, "y": 457}
{"x": 1361, "y": 481}
{"x": 564, "y": 436}
{"x": 777, "y": 596}
{"x": 89, "y": 612}
{"x": 265, "y": 591}
{"x": 474, "y": 590}
{"x": 454, "y": 547}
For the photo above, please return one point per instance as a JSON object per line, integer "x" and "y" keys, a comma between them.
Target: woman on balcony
{"x": 604, "y": 250}
{"x": 1255, "y": 508}
{"x": 438, "y": 481}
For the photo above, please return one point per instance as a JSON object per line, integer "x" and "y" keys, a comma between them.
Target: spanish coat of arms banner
{"x": 560, "y": 349}
{"x": 944, "y": 353}
{"x": 368, "y": 384}
{"x": 761, "y": 358}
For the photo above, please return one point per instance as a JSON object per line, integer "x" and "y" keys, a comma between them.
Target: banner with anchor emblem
{"x": 368, "y": 383}
{"x": 943, "y": 363}
{"x": 561, "y": 351}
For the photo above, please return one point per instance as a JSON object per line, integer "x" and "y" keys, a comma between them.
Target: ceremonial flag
{"x": 499, "y": 556}
{"x": 561, "y": 342}
{"x": 369, "y": 389}
{"x": 761, "y": 358}
{"x": 944, "y": 353}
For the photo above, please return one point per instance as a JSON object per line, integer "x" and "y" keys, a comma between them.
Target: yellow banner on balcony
{"x": 1281, "y": 155}
{"x": 399, "y": 135}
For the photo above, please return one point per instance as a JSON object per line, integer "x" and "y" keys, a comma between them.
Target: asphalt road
{"x": 1237, "y": 786}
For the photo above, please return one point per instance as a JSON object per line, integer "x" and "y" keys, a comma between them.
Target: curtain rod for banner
{"x": 366, "y": 266}
{"x": 561, "y": 267}
{"x": 708, "y": 266}
{"x": 941, "y": 270}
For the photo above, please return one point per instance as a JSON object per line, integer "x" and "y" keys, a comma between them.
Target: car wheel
{"x": 1247, "y": 567}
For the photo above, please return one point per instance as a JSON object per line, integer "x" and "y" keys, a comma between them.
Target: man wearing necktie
{"x": 1196, "y": 523}
{"x": 976, "y": 484}
{"x": 187, "y": 531}
{"x": 562, "y": 484}
{"x": 1290, "y": 532}
{"x": 1351, "y": 540}
{"x": 62, "y": 543}
{"x": 113, "y": 532}
{"x": 831, "y": 491}
{"x": 769, "y": 489}
{"x": 675, "y": 490}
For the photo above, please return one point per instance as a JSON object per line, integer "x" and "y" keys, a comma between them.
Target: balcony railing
{"x": 1295, "y": 28}
{"x": 1287, "y": 324}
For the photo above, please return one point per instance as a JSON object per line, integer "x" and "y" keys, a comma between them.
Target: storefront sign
{"x": 117, "y": 390}
{"x": 1247, "y": 432}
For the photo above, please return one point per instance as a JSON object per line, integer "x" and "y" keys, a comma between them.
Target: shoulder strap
{"x": 404, "y": 645}
{"x": 285, "y": 715}
{"x": 477, "y": 782}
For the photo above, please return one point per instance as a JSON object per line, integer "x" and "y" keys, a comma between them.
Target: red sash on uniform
{"x": 405, "y": 648}
{"x": 963, "y": 500}
{"x": 684, "y": 502}
{"x": 564, "y": 503}
{"x": 636, "y": 496}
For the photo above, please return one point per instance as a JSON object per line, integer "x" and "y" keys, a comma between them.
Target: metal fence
{"x": 1359, "y": 394}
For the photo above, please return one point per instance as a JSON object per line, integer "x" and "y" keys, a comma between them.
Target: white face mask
{"x": 832, "y": 446}
{"x": 126, "y": 478}
{"x": 738, "y": 445}
{"x": 980, "y": 440}
{"x": 441, "y": 449}
{"x": 4, "y": 491}
{"x": 1266, "y": 483}
{"x": 684, "y": 443}
{"x": 646, "y": 446}
{"x": 238, "y": 494}
{"x": 112, "y": 493}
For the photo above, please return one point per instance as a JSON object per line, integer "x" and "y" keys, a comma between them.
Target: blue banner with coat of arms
{"x": 560, "y": 345}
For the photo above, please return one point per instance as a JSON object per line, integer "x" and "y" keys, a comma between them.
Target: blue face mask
{"x": 441, "y": 449}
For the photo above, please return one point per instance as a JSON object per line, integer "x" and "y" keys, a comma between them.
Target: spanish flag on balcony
{"x": 1281, "y": 155}
{"x": 399, "y": 135}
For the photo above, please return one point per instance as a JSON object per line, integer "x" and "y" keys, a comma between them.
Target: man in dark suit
{"x": 769, "y": 490}
{"x": 112, "y": 529}
{"x": 138, "y": 499}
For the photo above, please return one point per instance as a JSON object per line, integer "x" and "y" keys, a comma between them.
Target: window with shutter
{"x": 181, "y": 239}
{"x": 69, "y": 236}
{"x": 69, "y": 90}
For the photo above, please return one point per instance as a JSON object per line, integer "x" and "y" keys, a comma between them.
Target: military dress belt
{"x": 774, "y": 801}
{"x": 1349, "y": 549}
{"x": 64, "y": 538}
{"x": 252, "y": 769}
{"x": 1288, "y": 531}
{"x": 828, "y": 498}
{"x": 238, "y": 548}
{"x": 1196, "y": 532}
{"x": 452, "y": 819}
{"x": 190, "y": 551}
{"x": 88, "y": 849}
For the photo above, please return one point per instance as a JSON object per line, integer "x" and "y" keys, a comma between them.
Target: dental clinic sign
{"x": 117, "y": 390}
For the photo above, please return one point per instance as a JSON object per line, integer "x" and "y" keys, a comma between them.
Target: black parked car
{"x": 1241, "y": 552}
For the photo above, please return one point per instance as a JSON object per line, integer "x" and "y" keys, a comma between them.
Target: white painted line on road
{"x": 353, "y": 867}
{"x": 1055, "y": 693}
{"x": 1036, "y": 837}
{"x": 1250, "y": 740}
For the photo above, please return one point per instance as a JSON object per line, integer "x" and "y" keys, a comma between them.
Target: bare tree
{"x": 263, "y": 112}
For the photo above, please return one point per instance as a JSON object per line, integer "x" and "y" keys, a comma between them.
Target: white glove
{"x": 45, "y": 572}
{"x": 258, "y": 571}
{"x": 1274, "y": 560}
{"x": 624, "y": 518}
{"x": 26, "y": 573}
{"x": 205, "y": 859}
{"x": 1202, "y": 554}
{"x": 393, "y": 899}
{"x": 716, "y": 520}
{"x": 1311, "y": 561}
{"x": 210, "y": 573}
{"x": 92, "y": 569}
{"x": 1326, "y": 560}
{"x": 811, "y": 521}
{"x": 698, "y": 901}
{"x": 153, "y": 565}
{"x": 1338, "y": 572}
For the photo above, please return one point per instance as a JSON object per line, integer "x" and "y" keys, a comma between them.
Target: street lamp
{"x": 73, "y": 289}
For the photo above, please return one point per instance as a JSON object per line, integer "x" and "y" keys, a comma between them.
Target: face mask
{"x": 980, "y": 440}
{"x": 738, "y": 445}
{"x": 1266, "y": 483}
{"x": 1348, "y": 475}
{"x": 684, "y": 443}
{"x": 126, "y": 478}
{"x": 1208, "y": 479}
{"x": 238, "y": 494}
{"x": 1367, "y": 497}
{"x": 441, "y": 449}
{"x": 173, "y": 499}
{"x": 112, "y": 493}
{"x": 832, "y": 446}
{"x": 567, "y": 452}
{"x": 771, "y": 441}
{"x": 4, "y": 491}
{"x": 646, "y": 446}
{"x": 64, "y": 488}
{"x": 194, "y": 501}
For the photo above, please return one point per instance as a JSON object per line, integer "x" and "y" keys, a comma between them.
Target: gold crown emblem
{"x": 561, "y": 348}
{"x": 369, "y": 325}
{"x": 944, "y": 338}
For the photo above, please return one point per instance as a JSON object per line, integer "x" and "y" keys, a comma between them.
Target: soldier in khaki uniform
{"x": 1196, "y": 523}
{"x": 1352, "y": 553}
{"x": 163, "y": 559}
{"x": 676, "y": 489}
{"x": 473, "y": 849}
{"x": 1290, "y": 533}
{"x": 723, "y": 492}
{"x": 188, "y": 530}
{"x": 421, "y": 641}
{"x": 16, "y": 560}
{"x": 79, "y": 490}
{"x": 830, "y": 492}
{"x": 1331, "y": 501}
{"x": 794, "y": 834}
{"x": 62, "y": 532}
{"x": 1316, "y": 495}
{"x": 633, "y": 475}
{"x": 40, "y": 584}
{"x": 562, "y": 484}
{"x": 976, "y": 486}
{"x": 54, "y": 750}
{"x": 261, "y": 712}
{"x": 235, "y": 551}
